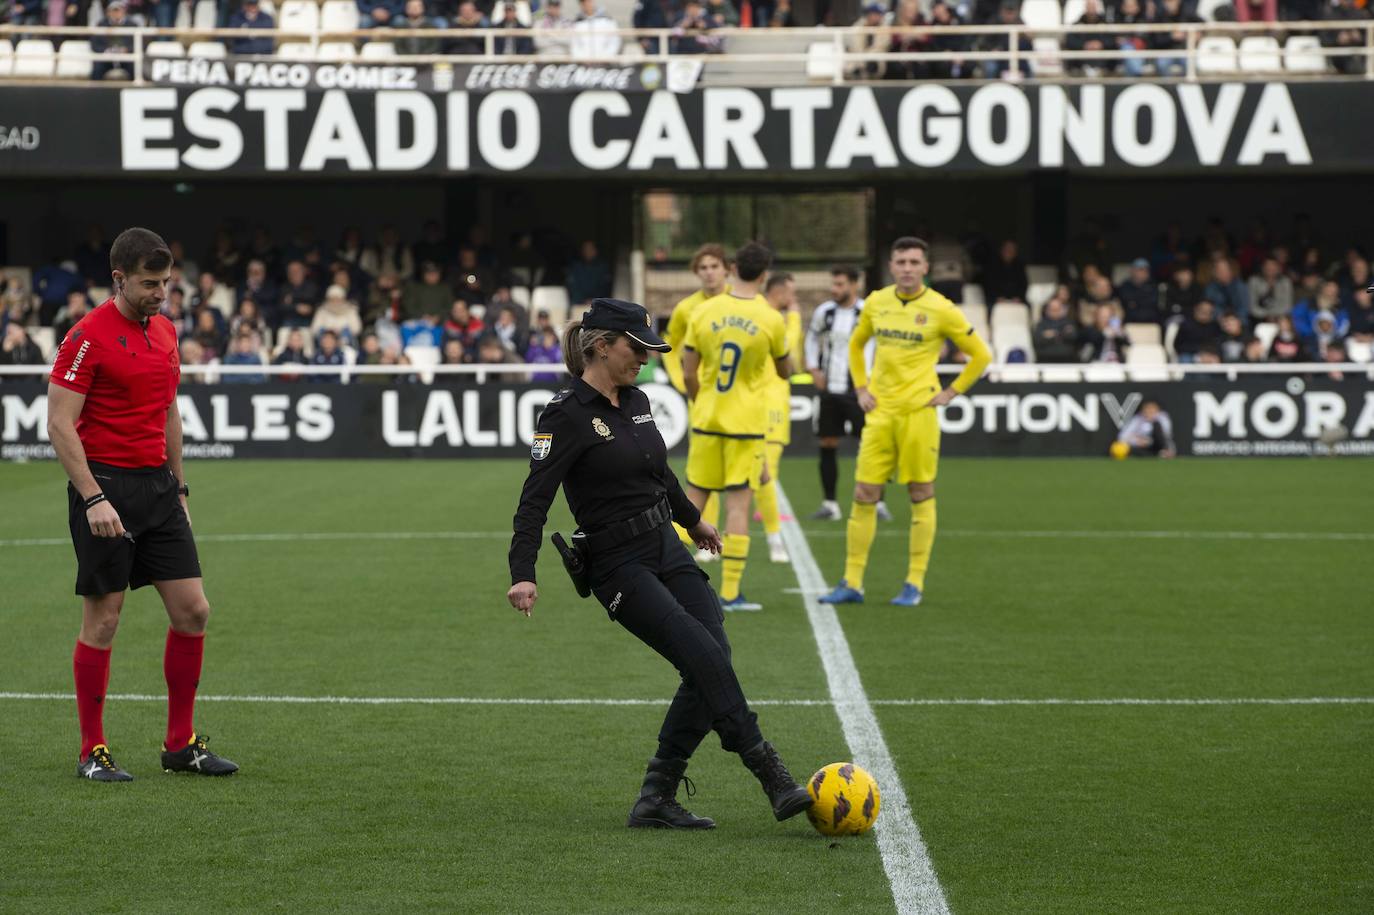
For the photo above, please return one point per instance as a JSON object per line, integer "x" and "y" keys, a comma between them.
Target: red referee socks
{"x": 181, "y": 667}
{"x": 91, "y": 669}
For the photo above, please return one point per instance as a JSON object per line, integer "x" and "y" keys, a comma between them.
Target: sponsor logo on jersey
{"x": 76, "y": 363}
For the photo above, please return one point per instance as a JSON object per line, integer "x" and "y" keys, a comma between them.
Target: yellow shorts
{"x": 905, "y": 443}
{"x": 719, "y": 462}
{"x": 772, "y": 454}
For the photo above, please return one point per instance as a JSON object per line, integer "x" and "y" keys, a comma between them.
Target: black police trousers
{"x": 653, "y": 587}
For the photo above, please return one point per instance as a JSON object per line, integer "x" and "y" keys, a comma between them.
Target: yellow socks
{"x": 733, "y": 555}
{"x": 863, "y": 526}
{"x": 767, "y": 498}
{"x": 922, "y": 540}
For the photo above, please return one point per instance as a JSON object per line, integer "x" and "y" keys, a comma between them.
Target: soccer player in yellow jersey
{"x": 712, "y": 270}
{"x": 735, "y": 347}
{"x": 910, "y": 322}
{"x": 781, "y": 293}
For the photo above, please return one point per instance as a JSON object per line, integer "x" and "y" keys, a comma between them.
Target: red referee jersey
{"x": 129, "y": 373}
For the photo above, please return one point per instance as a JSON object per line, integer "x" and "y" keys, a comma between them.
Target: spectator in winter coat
{"x": 337, "y": 315}
{"x": 544, "y": 348}
{"x": 1197, "y": 332}
{"x": 1271, "y": 293}
{"x": 1105, "y": 340}
{"x": 1182, "y": 294}
{"x": 327, "y": 352}
{"x": 250, "y": 16}
{"x": 1139, "y": 294}
{"x": 1056, "y": 334}
{"x": 1005, "y": 279}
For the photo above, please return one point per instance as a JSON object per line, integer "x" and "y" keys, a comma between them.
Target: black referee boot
{"x": 657, "y": 807}
{"x": 787, "y": 797}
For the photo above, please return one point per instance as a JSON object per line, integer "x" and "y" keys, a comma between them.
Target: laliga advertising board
{"x": 1268, "y": 417}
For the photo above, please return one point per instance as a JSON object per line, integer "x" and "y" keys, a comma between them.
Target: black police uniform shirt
{"x": 611, "y": 461}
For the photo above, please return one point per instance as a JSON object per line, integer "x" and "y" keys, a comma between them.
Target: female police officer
{"x": 598, "y": 439}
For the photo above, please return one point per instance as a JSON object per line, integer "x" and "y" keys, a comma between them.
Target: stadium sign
{"x": 1269, "y": 416}
{"x": 299, "y": 128}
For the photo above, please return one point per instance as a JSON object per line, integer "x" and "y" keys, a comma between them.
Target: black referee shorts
{"x": 158, "y": 545}
{"x": 835, "y": 411}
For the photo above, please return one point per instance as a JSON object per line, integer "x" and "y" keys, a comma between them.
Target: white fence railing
{"x": 1210, "y": 49}
{"x": 1069, "y": 373}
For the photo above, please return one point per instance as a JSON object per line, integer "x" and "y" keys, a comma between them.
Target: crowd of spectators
{"x": 1116, "y": 39}
{"x": 582, "y": 29}
{"x": 1210, "y": 297}
{"x": 252, "y": 298}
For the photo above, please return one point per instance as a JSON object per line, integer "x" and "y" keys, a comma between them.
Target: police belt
{"x": 618, "y": 532}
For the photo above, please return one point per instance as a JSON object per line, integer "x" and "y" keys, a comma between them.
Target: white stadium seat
{"x": 296, "y": 50}
{"x": 95, "y": 14}
{"x": 1260, "y": 54}
{"x": 1104, "y": 373}
{"x": 1010, "y": 314}
{"x": 1042, "y": 273}
{"x": 378, "y": 50}
{"x": 521, "y": 296}
{"x": 74, "y": 59}
{"x": 1061, "y": 373}
{"x": 205, "y": 15}
{"x": 1140, "y": 333}
{"x": 1359, "y": 351}
{"x": 300, "y": 17}
{"x": 339, "y": 16}
{"x": 336, "y": 50}
{"x": 1303, "y": 54}
{"x": 1216, "y": 54}
{"x": 553, "y": 299}
{"x": 1045, "y": 59}
{"x": 632, "y": 51}
{"x": 1037, "y": 294}
{"x": 1009, "y": 337}
{"x": 46, "y": 338}
{"x": 973, "y": 294}
{"x": 1041, "y": 14}
{"x": 184, "y": 15}
{"x": 977, "y": 316}
{"x": 422, "y": 357}
{"x": 34, "y": 57}
{"x": 1265, "y": 332}
{"x": 206, "y": 49}
{"x": 1207, "y": 9}
{"x": 822, "y": 62}
{"x": 163, "y": 49}
{"x": 1146, "y": 354}
{"x": 1074, "y": 10}
{"x": 1120, "y": 273}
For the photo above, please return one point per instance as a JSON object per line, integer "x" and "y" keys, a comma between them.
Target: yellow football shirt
{"x": 780, "y": 397}
{"x": 910, "y": 332}
{"x": 737, "y": 340}
{"x": 678, "y": 322}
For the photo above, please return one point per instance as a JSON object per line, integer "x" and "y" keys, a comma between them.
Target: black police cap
{"x": 628, "y": 318}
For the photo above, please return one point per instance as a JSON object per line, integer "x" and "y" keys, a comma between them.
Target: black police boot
{"x": 787, "y": 797}
{"x": 657, "y": 807}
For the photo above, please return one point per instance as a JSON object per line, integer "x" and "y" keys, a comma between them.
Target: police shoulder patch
{"x": 541, "y": 446}
{"x": 560, "y": 396}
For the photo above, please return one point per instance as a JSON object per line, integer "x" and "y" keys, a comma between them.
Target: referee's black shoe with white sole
{"x": 657, "y": 807}
{"x": 787, "y": 797}
{"x": 194, "y": 757}
{"x": 99, "y": 766}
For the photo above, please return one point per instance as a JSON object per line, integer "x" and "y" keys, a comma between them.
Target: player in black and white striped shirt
{"x": 827, "y": 359}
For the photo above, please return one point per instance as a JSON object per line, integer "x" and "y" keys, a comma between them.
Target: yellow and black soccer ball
{"x": 844, "y": 800}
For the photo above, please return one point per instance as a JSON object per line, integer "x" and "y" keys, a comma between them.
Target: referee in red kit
{"x": 113, "y": 420}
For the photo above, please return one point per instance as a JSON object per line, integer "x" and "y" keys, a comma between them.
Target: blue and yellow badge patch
{"x": 540, "y": 447}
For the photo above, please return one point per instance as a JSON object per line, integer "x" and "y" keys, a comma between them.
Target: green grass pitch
{"x": 1051, "y": 579}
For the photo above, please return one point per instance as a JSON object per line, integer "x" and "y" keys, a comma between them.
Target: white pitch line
{"x": 599, "y": 701}
{"x": 915, "y": 888}
{"x": 311, "y": 536}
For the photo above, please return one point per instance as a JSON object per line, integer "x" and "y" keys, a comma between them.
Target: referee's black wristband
{"x": 95, "y": 500}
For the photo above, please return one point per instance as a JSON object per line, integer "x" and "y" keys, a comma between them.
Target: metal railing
{"x": 1047, "y": 373}
{"x": 841, "y": 64}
